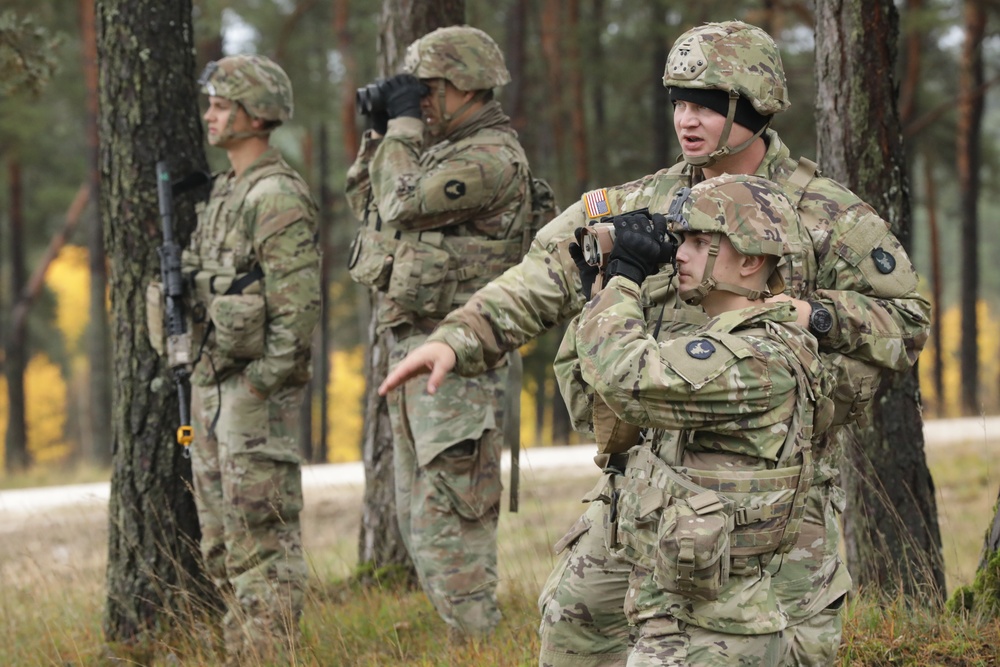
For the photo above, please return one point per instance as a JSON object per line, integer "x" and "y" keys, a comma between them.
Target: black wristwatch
{"x": 820, "y": 320}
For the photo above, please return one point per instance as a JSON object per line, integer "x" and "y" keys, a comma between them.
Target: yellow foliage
{"x": 69, "y": 279}
{"x": 988, "y": 340}
{"x": 346, "y": 393}
{"x": 45, "y": 411}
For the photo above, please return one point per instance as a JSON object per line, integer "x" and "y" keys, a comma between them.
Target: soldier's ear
{"x": 751, "y": 264}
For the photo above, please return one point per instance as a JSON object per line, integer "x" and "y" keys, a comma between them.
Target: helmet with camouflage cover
{"x": 730, "y": 56}
{"x": 733, "y": 68}
{"x": 465, "y": 56}
{"x": 257, "y": 83}
{"x": 751, "y": 211}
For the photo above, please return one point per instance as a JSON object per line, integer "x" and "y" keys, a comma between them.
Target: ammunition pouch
{"x": 419, "y": 281}
{"x": 371, "y": 258}
{"x": 239, "y": 321}
{"x": 693, "y": 529}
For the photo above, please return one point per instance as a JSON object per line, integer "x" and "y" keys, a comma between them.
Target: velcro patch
{"x": 596, "y": 203}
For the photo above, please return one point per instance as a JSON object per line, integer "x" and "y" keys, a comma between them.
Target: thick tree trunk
{"x": 893, "y": 540}
{"x": 380, "y": 544}
{"x": 16, "y": 458}
{"x": 967, "y": 151}
{"x": 148, "y": 101}
{"x": 98, "y": 335}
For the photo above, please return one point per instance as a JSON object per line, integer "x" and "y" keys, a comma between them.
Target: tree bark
{"x": 98, "y": 334}
{"x": 16, "y": 457}
{"x": 148, "y": 102}
{"x": 893, "y": 540}
{"x": 380, "y": 545}
{"x": 967, "y": 151}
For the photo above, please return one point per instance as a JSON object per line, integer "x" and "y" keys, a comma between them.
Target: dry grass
{"x": 52, "y": 580}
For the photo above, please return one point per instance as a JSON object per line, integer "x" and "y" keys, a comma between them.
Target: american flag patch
{"x": 596, "y": 202}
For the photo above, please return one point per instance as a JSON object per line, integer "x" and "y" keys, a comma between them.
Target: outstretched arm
{"x": 434, "y": 358}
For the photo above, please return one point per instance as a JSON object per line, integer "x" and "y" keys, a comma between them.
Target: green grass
{"x": 52, "y": 588}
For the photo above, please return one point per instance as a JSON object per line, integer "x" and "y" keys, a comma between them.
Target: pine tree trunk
{"x": 16, "y": 458}
{"x": 380, "y": 545}
{"x": 967, "y": 151}
{"x": 893, "y": 540}
{"x": 148, "y": 102}
{"x": 98, "y": 335}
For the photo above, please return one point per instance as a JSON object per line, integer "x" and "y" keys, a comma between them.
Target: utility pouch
{"x": 638, "y": 515}
{"x": 154, "y": 317}
{"x": 239, "y": 325}
{"x": 371, "y": 258}
{"x": 419, "y": 282}
{"x": 693, "y": 558}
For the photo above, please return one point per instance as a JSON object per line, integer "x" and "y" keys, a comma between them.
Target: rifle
{"x": 178, "y": 338}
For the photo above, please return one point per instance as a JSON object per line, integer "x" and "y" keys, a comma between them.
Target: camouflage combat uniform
{"x": 880, "y": 321}
{"x": 452, "y": 215}
{"x": 248, "y": 387}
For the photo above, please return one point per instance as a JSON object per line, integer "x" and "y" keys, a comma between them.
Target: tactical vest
{"x": 693, "y": 528}
{"x": 431, "y": 273}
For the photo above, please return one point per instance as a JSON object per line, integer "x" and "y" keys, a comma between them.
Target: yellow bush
{"x": 346, "y": 393}
{"x": 69, "y": 279}
{"x": 45, "y": 411}
{"x": 950, "y": 405}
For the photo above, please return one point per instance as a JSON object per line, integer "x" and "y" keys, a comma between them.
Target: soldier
{"x": 255, "y": 266}
{"x": 726, "y": 82}
{"x": 712, "y": 496}
{"x": 441, "y": 219}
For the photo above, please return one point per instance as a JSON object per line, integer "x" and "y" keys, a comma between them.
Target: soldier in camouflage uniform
{"x": 255, "y": 268}
{"x": 719, "y": 487}
{"x": 446, "y": 208}
{"x": 726, "y": 81}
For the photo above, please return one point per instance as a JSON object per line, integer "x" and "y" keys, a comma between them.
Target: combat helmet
{"x": 735, "y": 58}
{"x": 465, "y": 56}
{"x": 257, "y": 83}
{"x": 751, "y": 211}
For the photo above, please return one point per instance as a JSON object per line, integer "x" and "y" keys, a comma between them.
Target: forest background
{"x": 591, "y": 112}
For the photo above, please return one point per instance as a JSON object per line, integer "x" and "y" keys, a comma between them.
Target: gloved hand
{"x": 380, "y": 121}
{"x": 637, "y": 250}
{"x": 668, "y": 242}
{"x": 402, "y": 96}
{"x": 588, "y": 272}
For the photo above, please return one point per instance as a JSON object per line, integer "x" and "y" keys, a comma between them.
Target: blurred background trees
{"x": 587, "y": 101}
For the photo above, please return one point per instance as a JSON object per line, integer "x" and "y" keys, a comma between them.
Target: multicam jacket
{"x": 725, "y": 398}
{"x": 469, "y": 193}
{"x": 264, "y": 217}
{"x": 879, "y": 316}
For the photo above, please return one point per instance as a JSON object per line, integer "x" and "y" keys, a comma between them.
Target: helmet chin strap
{"x": 709, "y": 283}
{"x": 227, "y": 132}
{"x": 440, "y": 128}
{"x": 722, "y": 149}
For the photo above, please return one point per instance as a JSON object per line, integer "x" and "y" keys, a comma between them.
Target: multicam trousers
{"x": 447, "y": 450}
{"x": 248, "y": 490}
{"x": 583, "y": 623}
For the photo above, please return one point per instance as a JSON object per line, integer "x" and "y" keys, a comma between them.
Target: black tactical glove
{"x": 637, "y": 250}
{"x": 668, "y": 243}
{"x": 588, "y": 272}
{"x": 380, "y": 121}
{"x": 402, "y": 96}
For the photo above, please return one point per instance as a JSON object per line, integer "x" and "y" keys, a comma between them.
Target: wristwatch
{"x": 820, "y": 320}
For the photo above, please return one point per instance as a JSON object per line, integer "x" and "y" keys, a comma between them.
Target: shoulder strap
{"x": 798, "y": 182}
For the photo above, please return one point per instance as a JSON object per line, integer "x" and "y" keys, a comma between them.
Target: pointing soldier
{"x": 726, "y": 82}
{"x": 255, "y": 265}
{"x": 442, "y": 218}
